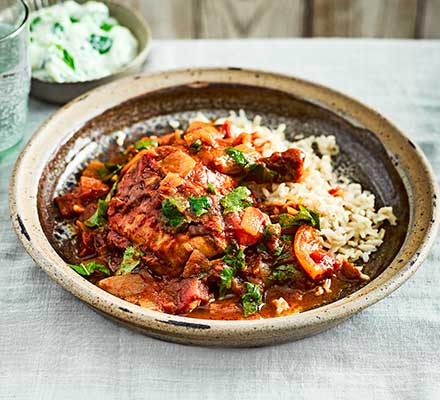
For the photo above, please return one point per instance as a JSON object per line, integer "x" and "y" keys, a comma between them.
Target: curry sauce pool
{"x": 225, "y": 220}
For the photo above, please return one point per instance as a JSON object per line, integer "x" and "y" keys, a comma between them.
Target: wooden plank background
{"x": 291, "y": 18}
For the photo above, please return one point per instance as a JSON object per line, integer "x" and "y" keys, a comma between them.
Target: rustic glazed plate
{"x": 373, "y": 152}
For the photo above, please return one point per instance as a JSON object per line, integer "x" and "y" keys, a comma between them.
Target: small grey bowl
{"x": 127, "y": 16}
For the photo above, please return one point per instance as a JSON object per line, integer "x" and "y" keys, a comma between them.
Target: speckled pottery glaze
{"x": 373, "y": 152}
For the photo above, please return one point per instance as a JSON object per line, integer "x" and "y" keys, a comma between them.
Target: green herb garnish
{"x": 226, "y": 275}
{"x": 172, "y": 209}
{"x": 278, "y": 251}
{"x": 257, "y": 172}
{"x": 285, "y": 272}
{"x": 34, "y": 22}
{"x": 272, "y": 231}
{"x": 262, "y": 248}
{"x": 260, "y": 173}
{"x": 195, "y": 146}
{"x": 57, "y": 28}
{"x": 105, "y": 26}
{"x": 236, "y": 200}
{"x": 286, "y": 238}
{"x": 145, "y": 144}
{"x": 100, "y": 43}
{"x": 236, "y": 261}
{"x": 108, "y": 171}
{"x": 237, "y": 155}
{"x": 73, "y": 20}
{"x": 200, "y": 205}
{"x": 235, "y": 258}
{"x": 304, "y": 216}
{"x": 251, "y": 300}
{"x": 89, "y": 268}
{"x": 211, "y": 189}
{"x": 130, "y": 260}
{"x": 111, "y": 193}
{"x": 67, "y": 58}
{"x": 99, "y": 218}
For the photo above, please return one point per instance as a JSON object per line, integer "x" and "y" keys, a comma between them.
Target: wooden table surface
{"x": 54, "y": 347}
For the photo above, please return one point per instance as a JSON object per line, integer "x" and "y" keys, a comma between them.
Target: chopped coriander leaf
{"x": 211, "y": 189}
{"x": 145, "y": 144}
{"x": 34, "y": 22}
{"x": 226, "y": 275}
{"x": 73, "y": 20}
{"x": 101, "y": 44}
{"x": 57, "y": 28}
{"x": 195, "y": 146}
{"x": 310, "y": 217}
{"x": 108, "y": 171}
{"x": 89, "y": 268}
{"x": 284, "y": 273}
{"x": 260, "y": 173}
{"x": 304, "y": 216}
{"x": 99, "y": 218}
{"x": 272, "y": 234}
{"x": 235, "y": 258}
{"x": 282, "y": 258}
{"x": 112, "y": 192}
{"x": 130, "y": 260}
{"x": 251, "y": 300}
{"x": 278, "y": 251}
{"x": 172, "y": 209}
{"x": 286, "y": 238}
{"x": 105, "y": 26}
{"x": 67, "y": 58}
{"x": 237, "y": 155}
{"x": 261, "y": 247}
{"x": 272, "y": 231}
{"x": 236, "y": 200}
{"x": 200, "y": 205}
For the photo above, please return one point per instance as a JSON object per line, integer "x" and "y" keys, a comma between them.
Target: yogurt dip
{"x": 73, "y": 42}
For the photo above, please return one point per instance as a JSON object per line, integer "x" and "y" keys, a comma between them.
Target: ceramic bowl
{"x": 60, "y": 93}
{"x": 373, "y": 152}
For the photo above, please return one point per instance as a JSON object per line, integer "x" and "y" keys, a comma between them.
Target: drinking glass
{"x": 14, "y": 71}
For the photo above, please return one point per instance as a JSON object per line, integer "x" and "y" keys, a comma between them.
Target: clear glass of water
{"x": 14, "y": 71}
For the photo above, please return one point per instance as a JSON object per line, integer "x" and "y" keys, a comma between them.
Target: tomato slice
{"x": 314, "y": 260}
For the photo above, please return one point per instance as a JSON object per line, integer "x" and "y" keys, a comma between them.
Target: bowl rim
{"x": 214, "y": 331}
{"x": 22, "y": 25}
{"x": 139, "y": 59}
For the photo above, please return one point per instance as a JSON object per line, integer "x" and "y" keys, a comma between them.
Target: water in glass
{"x": 14, "y": 71}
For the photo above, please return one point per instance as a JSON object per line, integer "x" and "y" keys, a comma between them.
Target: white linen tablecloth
{"x": 52, "y": 346}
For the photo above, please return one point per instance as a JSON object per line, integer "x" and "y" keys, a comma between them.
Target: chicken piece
{"x": 204, "y": 132}
{"x": 118, "y": 241}
{"x": 93, "y": 168}
{"x": 123, "y": 285}
{"x": 66, "y": 204}
{"x": 136, "y": 212}
{"x": 288, "y": 165}
{"x": 218, "y": 160}
{"x": 191, "y": 294}
{"x": 89, "y": 190}
{"x": 197, "y": 264}
{"x": 92, "y": 188}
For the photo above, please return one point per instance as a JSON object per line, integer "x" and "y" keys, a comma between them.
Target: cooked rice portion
{"x": 350, "y": 224}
